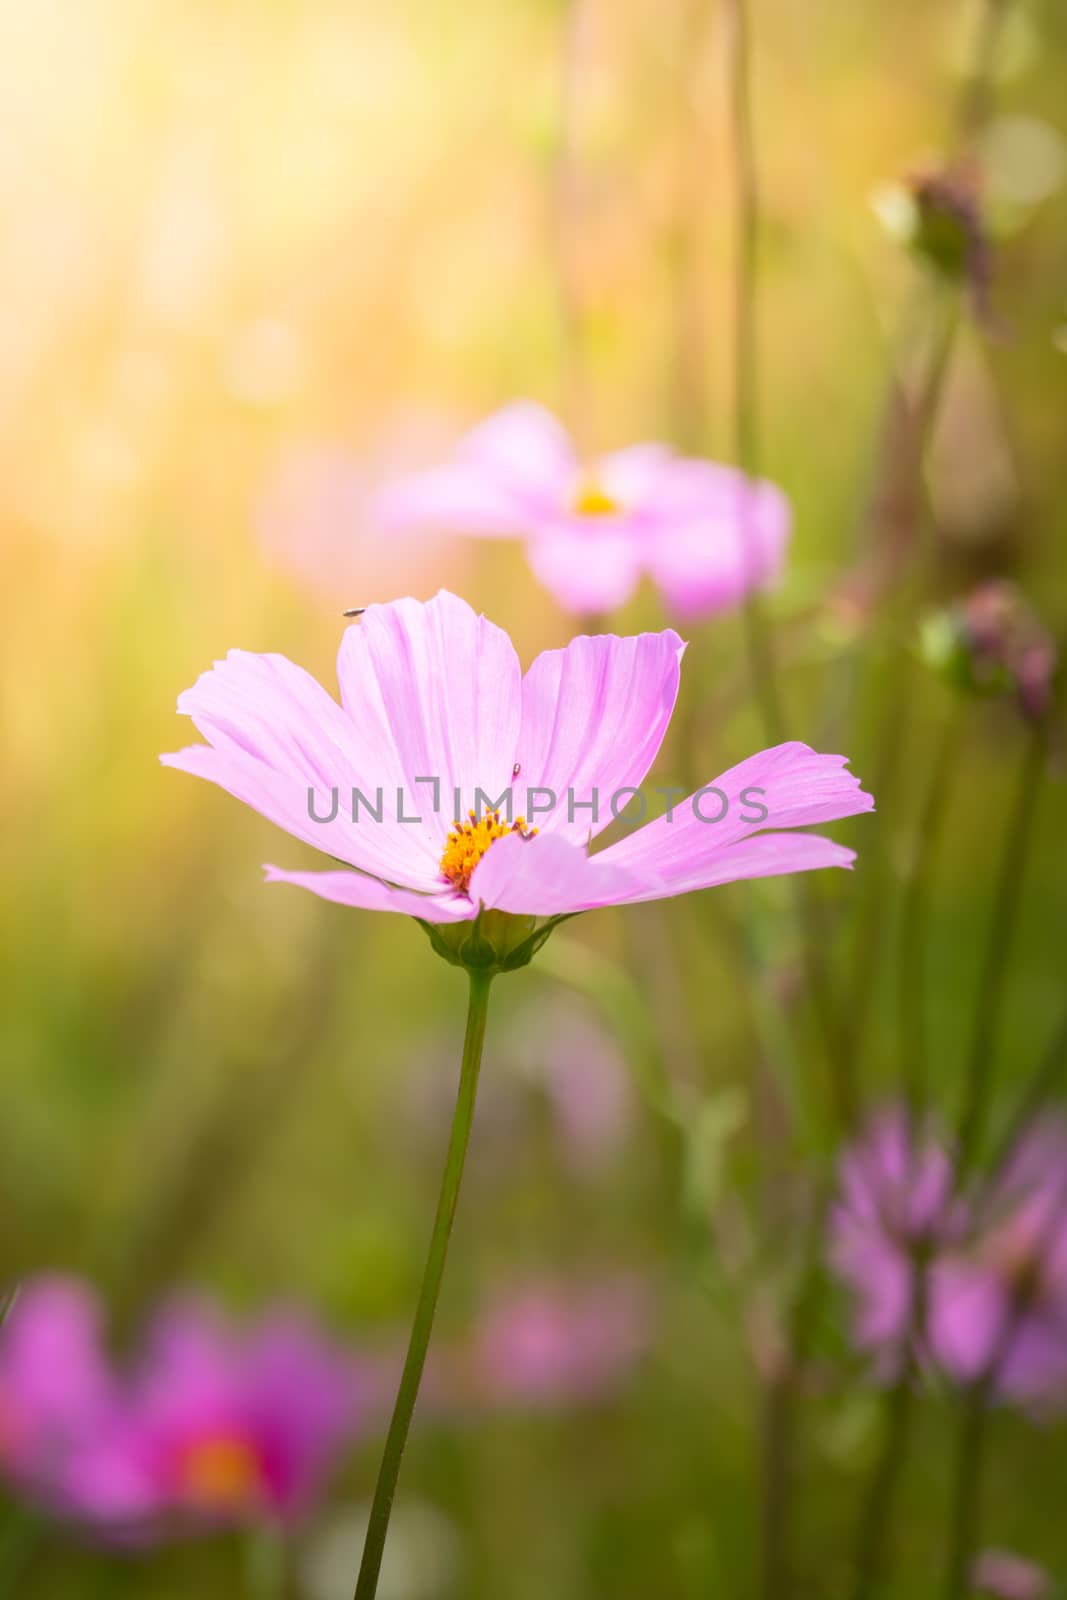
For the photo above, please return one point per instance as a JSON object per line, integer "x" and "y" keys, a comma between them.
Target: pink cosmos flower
{"x": 895, "y": 1208}
{"x": 550, "y": 1344}
{"x": 434, "y": 706}
{"x": 704, "y": 533}
{"x": 219, "y": 1427}
{"x": 56, "y": 1387}
{"x": 998, "y": 1309}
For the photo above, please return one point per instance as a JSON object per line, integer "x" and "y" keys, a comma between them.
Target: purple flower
{"x": 998, "y": 1309}
{"x": 433, "y": 695}
{"x": 217, "y": 1426}
{"x": 703, "y": 533}
{"x": 550, "y": 1344}
{"x": 56, "y": 1387}
{"x": 895, "y": 1209}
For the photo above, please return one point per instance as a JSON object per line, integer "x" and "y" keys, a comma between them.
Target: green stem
{"x": 567, "y": 209}
{"x": 976, "y": 100}
{"x": 914, "y": 914}
{"x": 782, "y": 1404}
{"x": 759, "y": 644}
{"x": 385, "y": 1489}
{"x": 266, "y": 1563}
{"x": 21, "y": 1539}
{"x": 1046, "y": 1082}
{"x": 867, "y": 941}
{"x": 966, "y": 1494}
{"x": 746, "y": 351}
{"x": 1006, "y": 898}
{"x": 873, "y": 1543}
{"x": 876, "y": 1518}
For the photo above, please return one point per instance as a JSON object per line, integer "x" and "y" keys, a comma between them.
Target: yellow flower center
{"x": 593, "y": 501}
{"x": 221, "y": 1474}
{"x": 468, "y": 842}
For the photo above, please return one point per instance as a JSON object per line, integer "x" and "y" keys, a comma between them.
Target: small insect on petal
{"x": 354, "y": 611}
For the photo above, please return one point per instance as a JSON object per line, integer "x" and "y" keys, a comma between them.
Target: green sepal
{"x": 496, "y": 941}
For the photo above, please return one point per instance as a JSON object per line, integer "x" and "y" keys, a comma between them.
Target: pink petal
{"x": 767, "y": 855}
{"x": 435, "y": 691}
{"x": 633, "y": 475}
{"x": 796, "y": 785}
{"x": 587, "y": 566}
{"x": 969, "y": 1312}
{"x": 458, "y": 498}
{"x": 544, "y": 876}
{"x": 510, "y": 472}
{"x": 273, "y": 711}
{"x": 274, "y": 734}
{"x": 369, "y": 894}
{"x": 593, "y": 719}
{"x": 524, "y": 445}
{"x": 718, "y": 538}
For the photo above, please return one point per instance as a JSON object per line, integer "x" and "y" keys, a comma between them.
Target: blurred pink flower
{"x": 1010, "y": 1577}
{"x": 549, "y": 1343}
{"x": 217, "y": 1426}
{"x": 998, "y": 1310}
{"x": 56, "y": 1387}
{"x": 585, "y": 1076}
{"x": 433, "y": 693}
{"x": 703, "y": 533}
{"x": 316, "y": 521}
{"x": 558, "y": 1053}
{"x": 895, "y": 1208}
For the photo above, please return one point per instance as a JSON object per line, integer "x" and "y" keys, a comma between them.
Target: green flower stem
{"x": 22, "y": 1537}
{"x": 873, "y": 1537}
{"x": 915, "y": 914}
{"x": 965, "y": 1509}
{"x": 1006, "y": 897}
{"x": 266, "y": 1563}
{"x": 385, "y": 1489}
{"x": 1045, "y": 1083}
{"x": 566, "y": 221}
{"x": 745, "y": 356}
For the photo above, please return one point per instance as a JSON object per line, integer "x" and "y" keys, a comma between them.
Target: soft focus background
{"x": 259, "y": 257}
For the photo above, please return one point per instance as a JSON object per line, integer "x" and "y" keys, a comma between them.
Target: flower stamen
{"x": 219, "y": 1474}
{"x": 468, "y": 842}
{"x": 591, "y": 500}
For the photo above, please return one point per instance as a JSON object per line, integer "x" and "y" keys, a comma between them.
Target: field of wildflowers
{"x": 589, "y": 481}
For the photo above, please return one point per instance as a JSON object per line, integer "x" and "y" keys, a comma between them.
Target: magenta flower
{"x": 435, "y": 714}
{"x": 550, "y": 1344}
{"x": 219, "y": 1427}
{"x": 895, "y": 1209}
{"x": 56, "y": 1387}
{"x": 703, "y": 533}
{"x": 998, "y": 1309}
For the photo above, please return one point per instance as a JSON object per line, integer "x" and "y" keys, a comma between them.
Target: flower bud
{"x": 990, "y": 643}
